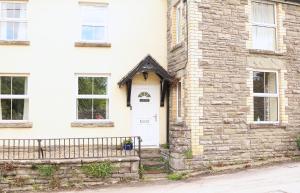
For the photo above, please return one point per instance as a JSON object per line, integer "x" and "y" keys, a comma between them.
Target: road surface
{"x": 284, "y": 178}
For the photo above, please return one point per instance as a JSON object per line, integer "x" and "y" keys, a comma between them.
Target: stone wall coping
{"x": 271, "y": 126}
{"x": 266, "y": 52}
{"x": 92, "y": 124}
{"x": 93, "y": 44}
{"x": 72, "y": 161}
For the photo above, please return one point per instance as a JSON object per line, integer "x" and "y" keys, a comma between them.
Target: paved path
{"x": 283, "y": 178}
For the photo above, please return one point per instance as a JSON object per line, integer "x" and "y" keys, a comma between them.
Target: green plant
{"x": 46, "y": 170}
{"x": 151, "y": 168}
{"x": 188, "y": 154}
{"x": 165, "y": 146}
{"x": 36, "y": 187}
{"x": 34, "y": 167}
{"x": 141, "y": 172}
{"x": 167, "y": 165}
{"x": 176, "y": 176}
{"x": 127, "y": 142}
{"x": 298, "y": 143}
{"x": 98, "y": 170}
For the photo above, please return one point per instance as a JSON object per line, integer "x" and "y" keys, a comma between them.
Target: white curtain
{"x": 263, "y": 26}
{"x": 20, "y": 29}
{"x": 263, "y": 13}
{"x": 26, "y": 101}
{"x": 25, "y": 111}
{"x": 263, "y": 38}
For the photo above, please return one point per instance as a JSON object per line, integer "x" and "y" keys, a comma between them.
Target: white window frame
{"x": 178, "y": 102}
{"x": 16, "y": 20}
{"x": 25, "y": 97}
{"x": 107, "y": 96}
{"x": 178, "y": 22}
{"x": 265, "y": 25}
{"x": 104, "y": 24}
{"x": 268, "y": 95}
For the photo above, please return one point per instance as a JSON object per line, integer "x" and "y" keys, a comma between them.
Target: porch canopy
{"x": 147, "y": 65}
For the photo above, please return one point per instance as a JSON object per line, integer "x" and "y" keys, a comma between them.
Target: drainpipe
{"x": 168, "y": 113}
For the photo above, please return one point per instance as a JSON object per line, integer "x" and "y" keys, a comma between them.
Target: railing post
{"x": 40, "y": 148}
{"x": 140, "y": 156}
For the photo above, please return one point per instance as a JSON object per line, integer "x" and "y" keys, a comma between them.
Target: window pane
{"x": 17, "y": 109}
{"x": 10, "y": 30}
{"x": 263, "y": 13}
{"x": 93, "y": 14}
{"x": 84, "y": 109}
{"x": 265, "y": 109}
{"x": 270, "y": 82}
{"x": 5, "y": 109}
{"x": 264, "y": 82}
{"x": 20, "y": 31}
{"x": 263, "y": 38}
{"x": 85, "y": 85}
{"x": 100, "y": 109}
{"x": 100, "y": 85}
{"x": 13, "y": 10}
{"x": 2, "y": 30}
{"x": 258, "y": 82}
{"x": 5, "y": 85}
{"x": 16, "y": 31}
{"x": 93, "y": 33}
{"x": 19, "y": 85}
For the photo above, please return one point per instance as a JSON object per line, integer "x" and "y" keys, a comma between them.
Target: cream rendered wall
{"x": 136, "y": 28}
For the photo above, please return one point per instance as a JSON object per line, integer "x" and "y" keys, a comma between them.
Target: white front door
{"x": 145, "y": 113}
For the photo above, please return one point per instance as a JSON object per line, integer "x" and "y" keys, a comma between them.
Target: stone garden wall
{"x": 22, "y": 176}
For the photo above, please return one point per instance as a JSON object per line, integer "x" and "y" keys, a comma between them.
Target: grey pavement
{"x": 284, "y": 178}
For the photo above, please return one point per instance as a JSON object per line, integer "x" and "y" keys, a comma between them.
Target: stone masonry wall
{"x": 24, "y": 176}
{"x": 218, "y": 98}
{"x": 228, "y": 135}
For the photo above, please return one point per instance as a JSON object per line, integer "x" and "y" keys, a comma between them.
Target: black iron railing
{"x": 69, "y": 148}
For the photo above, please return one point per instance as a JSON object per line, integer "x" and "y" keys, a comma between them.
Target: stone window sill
{"x": 16, "y": 125}
{"x": 93, "y": 44}
{"x": 91, "y": 124}
{"x": 268, "y": 126}
{"x": 14, "y": 43}
{"x": 266, "y": 52}
{"x": 177, "y": 46}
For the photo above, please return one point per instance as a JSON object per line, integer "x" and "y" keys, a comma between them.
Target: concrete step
{"x": 150, "y": 155}
{"x": 155, "y": 177}
{"x": 152, "y": 163}
{"x": 151, "y": 150}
